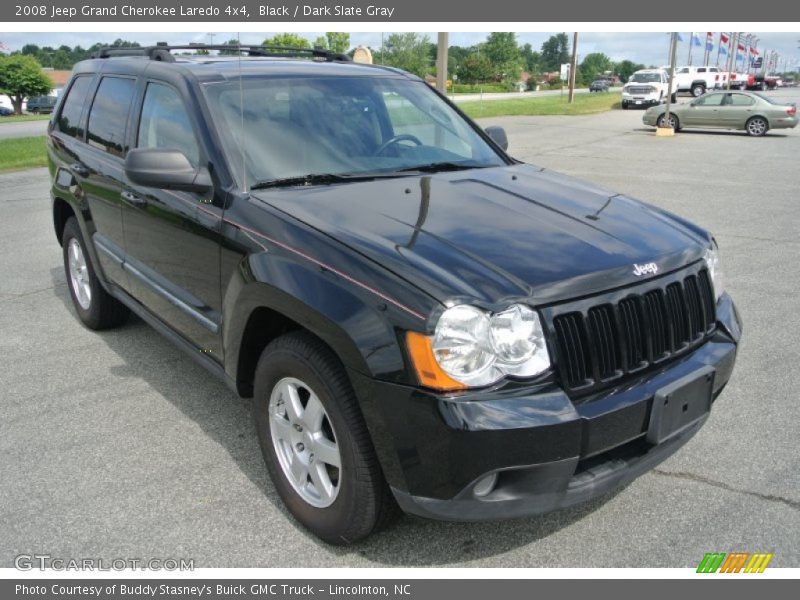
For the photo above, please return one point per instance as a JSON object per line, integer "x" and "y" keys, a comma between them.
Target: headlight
{"x": 652, "y": 90}
{"x": 715, "y": 271}
{"x": 471, "y": 347}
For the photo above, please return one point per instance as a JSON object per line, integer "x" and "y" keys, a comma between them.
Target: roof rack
{"x": 163, "y": 51}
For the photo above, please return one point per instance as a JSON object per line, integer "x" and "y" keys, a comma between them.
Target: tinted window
{"x": 701, "y": 69}
{"x": 741, "y": 100}
{"x": 165, "y": 123}
{"x": 69, "y": 119}
{"x": 710, "y": 100}
{"x": 109, "y": 114}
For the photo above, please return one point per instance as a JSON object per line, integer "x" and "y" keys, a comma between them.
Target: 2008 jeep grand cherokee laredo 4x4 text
{"x": 420, "y": 319}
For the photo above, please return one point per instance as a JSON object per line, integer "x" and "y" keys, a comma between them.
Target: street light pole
{"x": 672, "y": 58}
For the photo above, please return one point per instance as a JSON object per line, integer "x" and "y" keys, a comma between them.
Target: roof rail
{"x": 163, "y": 51}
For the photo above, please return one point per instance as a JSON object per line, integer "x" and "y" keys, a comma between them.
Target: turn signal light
{"x": 428, "y": 371}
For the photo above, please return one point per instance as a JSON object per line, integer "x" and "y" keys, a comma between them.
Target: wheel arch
{"x": 359, "y": 334}
{"x": 62, "y": 211}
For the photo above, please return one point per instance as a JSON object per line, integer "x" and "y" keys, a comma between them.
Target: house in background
{"x": 58, "y": 77}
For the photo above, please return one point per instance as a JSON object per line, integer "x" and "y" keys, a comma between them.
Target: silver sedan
{"x": 754, "y": 113}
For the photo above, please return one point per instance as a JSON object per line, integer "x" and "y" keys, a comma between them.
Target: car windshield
{"x": 318, "y": 130}
{"x": 645, "y": 77}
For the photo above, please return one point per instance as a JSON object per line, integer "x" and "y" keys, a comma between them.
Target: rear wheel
{"x": 757, "y": 126}
{"x": 315, "y": 442}
{"x": 698, "y": 90}
{"x": 95, "y": 307}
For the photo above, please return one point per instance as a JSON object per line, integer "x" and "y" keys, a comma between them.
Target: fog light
{"x": 485, "y": 485}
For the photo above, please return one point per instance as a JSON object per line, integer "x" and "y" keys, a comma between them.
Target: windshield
{"x": 299, "y": 127}
{"x": 645, "y": 77}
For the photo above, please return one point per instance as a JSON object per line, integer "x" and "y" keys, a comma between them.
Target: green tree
{"x": 475, "y": 68}
{"x": 593, "y": 66}
{"x": 555, "y": 52}
{"x": 531, "y": 59}
{"x": 338, "y": 41}
{"x": 230, "y": 51}
{"x": 626, "y": 68}
{"x": 291, "y": 40}
{"x": 408, "y": 51}
{"x": 22, "y": 77}
{"x": 503, "y": 52}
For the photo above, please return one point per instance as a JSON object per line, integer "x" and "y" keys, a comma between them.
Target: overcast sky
{"x": 647, "y": 48}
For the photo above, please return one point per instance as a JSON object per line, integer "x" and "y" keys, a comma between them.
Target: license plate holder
{"x": 680, "y": 405}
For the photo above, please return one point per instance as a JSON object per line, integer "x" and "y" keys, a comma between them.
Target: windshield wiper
{"x": 439, "y": 167}
{"x": 310, "y": 179}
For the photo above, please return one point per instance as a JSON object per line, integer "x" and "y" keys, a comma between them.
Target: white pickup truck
{"x": 697, "y": 80}
{"x": 647, "y": 87}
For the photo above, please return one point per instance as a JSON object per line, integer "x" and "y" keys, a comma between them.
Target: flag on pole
{"x": 724, "y": 38}
{"x": 696, "y": 40}
{"x": 4, "y": 47}
{"x": 709, "y": 41}
{"x": 753, "y": 51}
{"x": 680, "y": 38}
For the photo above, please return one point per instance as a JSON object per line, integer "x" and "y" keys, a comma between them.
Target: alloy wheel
{"x": 79, "y": 274}
{"x": 304, "y": 442}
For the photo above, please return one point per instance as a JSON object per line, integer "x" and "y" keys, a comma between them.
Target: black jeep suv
{"x": 420, "y": 319}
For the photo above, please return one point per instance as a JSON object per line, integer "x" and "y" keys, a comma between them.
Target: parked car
{"x": 5, "y": 111}
{"x": 647, "y": 87}
{"x": 599, "y": 85}
{"x": 41, "y": 104}
{"x": 421, "y": 320}
{"x": 752, "y": 112}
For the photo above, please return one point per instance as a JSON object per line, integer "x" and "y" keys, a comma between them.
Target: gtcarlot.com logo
{"x": 42, "y": 562}
{"x": 734, "y": 562}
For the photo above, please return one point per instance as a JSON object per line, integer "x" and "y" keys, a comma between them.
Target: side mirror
{"x": 165, "y": 168}
{"x": 498, "y": 135}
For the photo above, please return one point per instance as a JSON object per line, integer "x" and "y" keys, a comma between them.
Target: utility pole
{"x": 441, "y": 63}
{"x": 573, "y": 67}
{"x": 672, "y": 58}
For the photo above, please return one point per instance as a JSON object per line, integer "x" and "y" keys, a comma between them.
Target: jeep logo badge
{"x": 650, "y": 268}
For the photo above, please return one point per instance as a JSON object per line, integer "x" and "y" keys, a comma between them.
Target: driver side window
{"x": 164, "y": 123}
{"x": 433, "y": 128}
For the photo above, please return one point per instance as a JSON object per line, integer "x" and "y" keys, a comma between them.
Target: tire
{"x": 698, "y": 90}
{"x": 96, "y": 308}
{"x": 756, "y": 126}
{"x": 624, "y": 106}
{"x": 674, "y": 97}
{"x": 339, "y": 505}
{"x": 673, "y": 122}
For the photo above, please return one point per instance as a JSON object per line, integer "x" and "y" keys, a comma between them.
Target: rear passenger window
{"x": 741, "y": 100}
{"x": 70, "y": 117}
{"x": 110, "y": 113}
{"x": 165, "y": 123}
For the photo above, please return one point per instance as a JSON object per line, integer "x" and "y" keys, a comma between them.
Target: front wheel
{"x": 672, "y": 122}
{"x": 95, "y": 307}
{"x": 757, "y": 126}
{"x": 315, "y": 442}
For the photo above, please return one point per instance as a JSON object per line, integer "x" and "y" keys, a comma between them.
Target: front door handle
{"x": 133, "y": 199}
{"x": 79, "y": 169}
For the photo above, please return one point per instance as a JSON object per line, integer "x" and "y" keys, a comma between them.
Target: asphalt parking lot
{"x": 116, "y": 445}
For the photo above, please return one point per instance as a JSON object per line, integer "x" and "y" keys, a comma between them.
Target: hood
{"x": 496, "y": 234}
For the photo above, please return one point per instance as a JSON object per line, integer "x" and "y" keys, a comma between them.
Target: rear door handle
{"x": 79, "y": 170}
{"x": 133, "y": 199}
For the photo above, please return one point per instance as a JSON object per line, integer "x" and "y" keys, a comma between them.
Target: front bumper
{"x": 546, "y": 451}
{"x": 640, "y": 99}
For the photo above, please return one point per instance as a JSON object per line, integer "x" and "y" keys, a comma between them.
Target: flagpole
{"x": 705, "y": 52}
{"x": 729, "y": 63}
{"x": 691, "y": 43}
{"x": 719, "y": 48}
